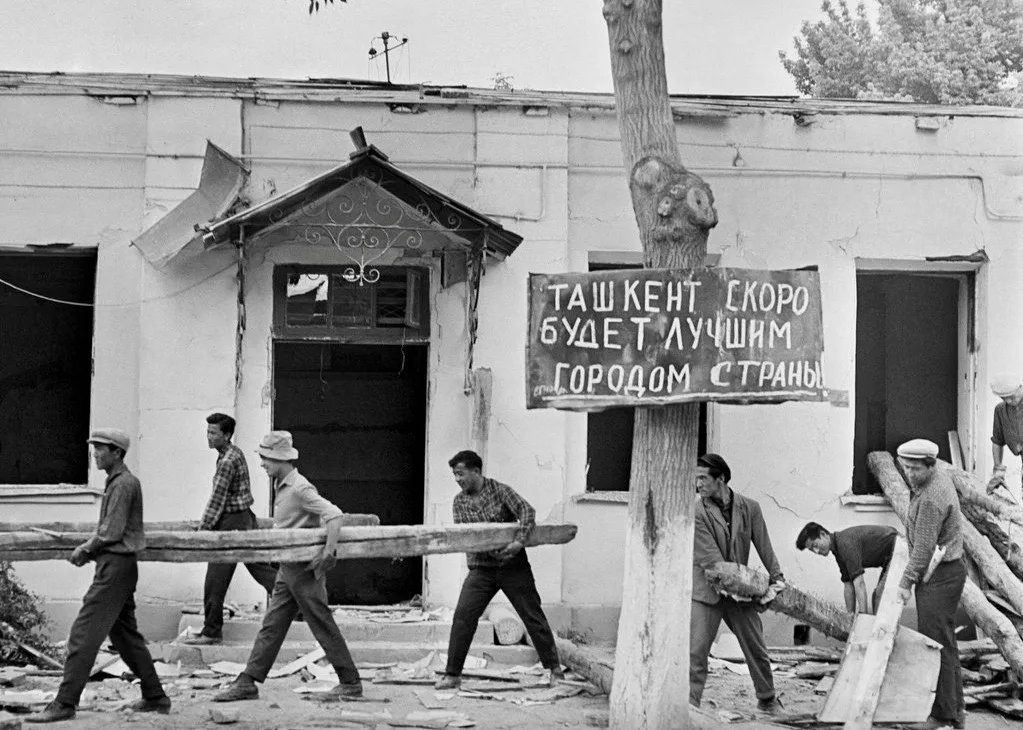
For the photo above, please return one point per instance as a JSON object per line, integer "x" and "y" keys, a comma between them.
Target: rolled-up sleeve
{"x": 313, "y": 503}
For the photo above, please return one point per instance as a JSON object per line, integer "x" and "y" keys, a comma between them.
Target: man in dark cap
{"x": 108, "y": 608}
{"x": 726, "y": 524}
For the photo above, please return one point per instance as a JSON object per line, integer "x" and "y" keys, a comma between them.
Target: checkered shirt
{"x": 494, "y": 502}
{"x": 231, "y": 492}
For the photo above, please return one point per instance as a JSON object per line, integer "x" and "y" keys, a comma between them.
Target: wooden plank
{"x": 955, "y": 447}
{"x": 907, "y": 693}
{"x": 265, "y": 523}
{"x": 296, "y": 545}
{"x": 879, "y": 647}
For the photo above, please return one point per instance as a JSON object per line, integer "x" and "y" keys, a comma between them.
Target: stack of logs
{"x": 994, "y": 600}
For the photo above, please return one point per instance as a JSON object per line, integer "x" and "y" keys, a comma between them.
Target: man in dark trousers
{"x": 300, "y": 586}
{"x": 726, "y": 524}
{"x": 108, "y": 608}
{"x": 935, "y": 521}
{"x": 229, "y": 508}
{"x": 486, "y": 500}
{"x": 855, "y": 549}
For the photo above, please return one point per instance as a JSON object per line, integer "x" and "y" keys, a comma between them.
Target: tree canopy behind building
{"x": 930, "y": 51}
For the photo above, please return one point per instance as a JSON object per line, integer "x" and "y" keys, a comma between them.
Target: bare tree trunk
{"x": 974, "y": 491}
{"x": 990, "y": 620}
{"x": 1008, "y": 550}
{"x": 742, "y": 580}
{"x": 674, "y": 212}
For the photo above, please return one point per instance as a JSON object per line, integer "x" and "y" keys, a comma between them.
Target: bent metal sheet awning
{"x": 220, "y": 181}
{"x": 461, "y": 227}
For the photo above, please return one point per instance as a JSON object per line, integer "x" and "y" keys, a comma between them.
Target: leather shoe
{"x": 931, "y": 723}
{"x": 202, "y": 640}
{"x": 349, "y": 689}
{"x": 238, "y": 691}
{"x": 156, "y": 704}
{"x": 772, "y": 705}
{"x": 448, "y": 681}
{"x": 557, "y": 675}
{"x": 53, "y": 712}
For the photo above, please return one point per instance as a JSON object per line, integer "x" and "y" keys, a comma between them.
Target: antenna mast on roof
{"x": 385, "y": 37}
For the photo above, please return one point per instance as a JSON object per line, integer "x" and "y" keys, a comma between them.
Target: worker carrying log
{"x": 300, "y": 586}
{"x": 482, "y": 499}
{"x": 1007, "y": 429}
{"x": 934, "y": 521}
{"x": 726, "y": 524}
{"x": 108, "y": 608}
{"x": 855, "y": 549}
{"x": 229, "y": 508}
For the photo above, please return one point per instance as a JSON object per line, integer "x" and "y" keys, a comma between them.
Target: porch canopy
{"x": 372, "y": 213}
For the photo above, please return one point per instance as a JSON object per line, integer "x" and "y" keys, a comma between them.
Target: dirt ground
{"x": 728, "y": 696}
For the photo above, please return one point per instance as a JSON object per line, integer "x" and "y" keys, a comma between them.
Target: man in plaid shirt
{"x": 229, "y": 508}
{"x": 507, "y": 569}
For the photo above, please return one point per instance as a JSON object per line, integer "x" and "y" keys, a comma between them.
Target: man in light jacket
{"x": 726, "y": 524}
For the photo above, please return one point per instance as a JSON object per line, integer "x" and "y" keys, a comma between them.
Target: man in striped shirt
{"x": 229, "y": 508}
{"x": 507, "y": 569}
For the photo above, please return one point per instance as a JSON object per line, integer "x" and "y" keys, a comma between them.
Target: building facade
{"x": 116, "y": 311}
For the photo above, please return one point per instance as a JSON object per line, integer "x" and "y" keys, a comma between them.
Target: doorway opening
{"x": 358, "y": 417}
{"x": 908, "y": 363}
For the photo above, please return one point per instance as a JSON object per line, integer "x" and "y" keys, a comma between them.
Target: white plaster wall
{"x": 846, "y": 187}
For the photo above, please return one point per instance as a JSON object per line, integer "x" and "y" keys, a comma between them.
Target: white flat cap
{"x": 918, "y": 449}
{"x": 1004, "y": 384}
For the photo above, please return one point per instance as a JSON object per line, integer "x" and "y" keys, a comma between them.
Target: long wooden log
{"x": 990, "y": 620}
{"x": 972, "y": 489}
{"x": 353, "y": 519}
{"x": 742, "y": 580}
{"x": 1007, "y": 549}
{"x": 295, "y": 545}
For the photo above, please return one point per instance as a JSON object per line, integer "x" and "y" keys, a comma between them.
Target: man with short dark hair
{"x": 108, "y": 608}
{"x": 855, "y": 549}
{"x": 229, "y": 508}
{"x": 935, "y": 521}
{"x": 726, "y": 524}
{"x": 486, "y": 500}
{"x": 300, "y": 586}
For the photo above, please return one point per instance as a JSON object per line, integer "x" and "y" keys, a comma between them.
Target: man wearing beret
{"x": 934, "y": 520}
{"x": 108, "y": 608}
{"x": 300, "y": 586}
{"x": 726, "y": 524}
{"x": 1007, "y": 429}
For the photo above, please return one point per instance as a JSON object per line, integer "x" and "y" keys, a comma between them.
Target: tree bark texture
{"x": 742, "y": 580}
{"x": 1006, "y": 548}
{"x": 990, "y": 620}
{"x": 973, "y": 490}
{"x": 352, "y": 519}
{"x": 674, "y": 213}
{"x": 294, "y": 545}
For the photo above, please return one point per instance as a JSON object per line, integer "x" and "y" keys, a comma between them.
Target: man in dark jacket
{"x": 726, "y": 524}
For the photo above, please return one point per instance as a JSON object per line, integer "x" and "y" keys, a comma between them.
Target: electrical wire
{"x": 54, "y": 300}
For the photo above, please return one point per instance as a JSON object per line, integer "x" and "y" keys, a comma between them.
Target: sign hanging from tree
{"x": 653, "y": 336}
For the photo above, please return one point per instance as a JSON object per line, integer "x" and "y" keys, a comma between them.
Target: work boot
{"x": 203, "y": 640}
{"x": 156, "y": 704}
{"x": 53, "y": 712}
{"x": 771, "y": 705}
{"x": 448, "y": 681}
{"x": 242, "y": 688}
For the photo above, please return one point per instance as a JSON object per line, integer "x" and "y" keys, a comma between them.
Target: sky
{"x": 715, "y": 47}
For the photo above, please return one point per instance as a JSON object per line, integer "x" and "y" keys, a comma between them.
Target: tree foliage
{"x": 21, "y": 620}
{"x": 931, "y": 51}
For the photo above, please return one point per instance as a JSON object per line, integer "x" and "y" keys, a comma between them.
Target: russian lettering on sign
{"x": 653, "y": 336}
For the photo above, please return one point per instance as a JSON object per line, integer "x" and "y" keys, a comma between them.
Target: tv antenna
{"x": 386, "y": 38}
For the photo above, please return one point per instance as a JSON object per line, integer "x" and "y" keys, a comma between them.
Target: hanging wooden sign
{"x": 637, "y": 337}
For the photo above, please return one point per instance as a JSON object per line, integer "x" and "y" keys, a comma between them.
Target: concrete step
{"x": 244, "y": 630}
{"x": 362, "y": 651}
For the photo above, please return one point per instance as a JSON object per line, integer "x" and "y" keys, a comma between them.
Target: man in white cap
{"x": 108, "y": 608}
{"x": 935, "y": 520}
{"x": 300, "y": 586}
{"x": 1008, "y": 425}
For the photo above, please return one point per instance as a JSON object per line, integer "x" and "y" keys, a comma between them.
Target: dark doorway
{"x": 46, "y": 369}
{"x": 358, "y": 416}
{"x": 907, "y": 366}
